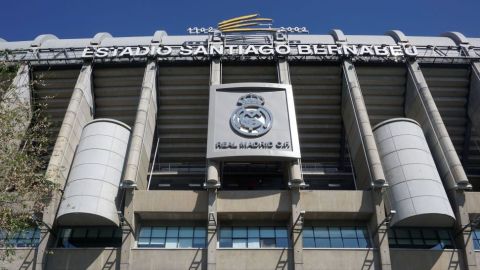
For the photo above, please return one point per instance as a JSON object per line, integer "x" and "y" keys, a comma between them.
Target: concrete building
{"x": 265, "y": 150}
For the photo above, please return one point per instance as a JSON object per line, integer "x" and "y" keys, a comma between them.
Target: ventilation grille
{"x": 383, "y": 89}
{"x": 117, "y": 92}
{"x": 182, "y": 114}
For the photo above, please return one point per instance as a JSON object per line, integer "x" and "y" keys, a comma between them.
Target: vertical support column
{"x": 474, "y": 97}
{"x": 80, "y": 111}
{"x": 420, "y": 105}
{"x": 18, "y": 100}
{"x": 136, "y": 169}
{"x": 365, "y": 157}
{"x": 295, "y": 182}
{"x": 140, "y": 149}
{"x": 213, "y": 182}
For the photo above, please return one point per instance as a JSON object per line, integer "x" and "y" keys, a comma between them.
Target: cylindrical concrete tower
{"x": 92, "y": 187}
{"x": 416, "y": 190}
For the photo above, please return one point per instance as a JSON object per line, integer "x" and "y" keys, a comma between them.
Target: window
{"x": 476, "y": 239}
{"x": 75, "y": 237}
{"x": 172, "y": 237}
{"x": 25, "y": 238}
{"x": 253, "y": 237}
{"x": 335, "y": 237}
{"x": 425, "y": 238}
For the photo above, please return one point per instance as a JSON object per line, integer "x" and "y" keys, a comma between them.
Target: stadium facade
{"x": 256, "y": 150}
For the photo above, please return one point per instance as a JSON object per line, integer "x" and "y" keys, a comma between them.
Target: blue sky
{"x": 24, "y": 20}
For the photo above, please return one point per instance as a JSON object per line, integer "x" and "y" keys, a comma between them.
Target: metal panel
{"x": 249, "y": 73}
{"x": 416, "y": 190}
{"x": 117, "y": 92}
{"x": 383, "y": 89}
{"x": 91, "y": 191}
{"x": 182, "y": 113}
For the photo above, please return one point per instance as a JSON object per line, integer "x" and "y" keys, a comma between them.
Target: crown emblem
{"x": 251, "y": 99}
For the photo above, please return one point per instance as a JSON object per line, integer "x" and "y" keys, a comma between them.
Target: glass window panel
{"x": 185, "y": 242}
{"x": 336, "y": 242}
{"x": 322, "y": 242}
{"x": 404, "y": 241}
{"x": 142, "y": 241}
{"x": 307, "y": 232}
{"x": 349, "y": 232}
{"x": 253, "y": 232}
{"x": 281, "y": 232}
{"x": 476, "y": 234}
{"x": 402, "y": 233}
{"x": 267, "y": 232}
{"x": 171, "y": 242}
{"x": 476, "y": 244}
{"x": 172, "y": 232}
{"x": 239, "y": 243}
{"x": 28, "y": 233}
{"x": 226, "y": 242}
{"x": 118, "y": 233}
{"x": 282, "y": 242}
{"x": 350, "y": 243}
{"x": 334, "y": 232}
{"x": 200, "y": 232}
{"x": 431, "y": 242}
{"x": 391, "y": 234}
{"x": 145, "y": 231}
{"x": 157, "y": 242}
{"x": 321, "y": 232}
{"x": 226, "y": 232}
{"x": 363, "y": 243}
{"x": 362, "y": 232}
{"x": 418, "y": 242}
{"x": 239, "y": 232}
{"x": 254, "y": 242}
{"x": 92, "y": 233}
{"x": 105, "y": 233}
{"x": 429, "y": 234}
{"x": 199, "y": 242}
{"x": 447, "y": 243}
{"x": 79, "y": 233}
{"x": 416, "y": 233}
{"x": 444, "y": 234}
{"x": 309, "y": 242}
{"x": 267, "y": 242}
{"x": 185, "y": 232}
{"x": 159, "y": 231}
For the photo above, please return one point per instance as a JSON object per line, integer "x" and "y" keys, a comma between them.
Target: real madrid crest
{"x": 251, "y": 119}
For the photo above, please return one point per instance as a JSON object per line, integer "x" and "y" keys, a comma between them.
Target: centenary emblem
{"x": 251, "y": 119}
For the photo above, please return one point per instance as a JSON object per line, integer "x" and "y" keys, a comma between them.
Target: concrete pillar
{"x": 379, "y": 227}
{"x": 80, "y": 111}
{"x": 420, "y": 105}
{"x": 366, "y": 159}
{"x": 212, "y": 183}
{"x": 18, "y": 100}
{"x": 138, "y": 161}
{"x": 361, "y": 143}
{"x": 128, "y": 226}
{"x": 474, "y": 97}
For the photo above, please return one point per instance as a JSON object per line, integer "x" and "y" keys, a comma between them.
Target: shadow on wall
{"x": 425, "y": 259}
{"x": 83, "y": 258}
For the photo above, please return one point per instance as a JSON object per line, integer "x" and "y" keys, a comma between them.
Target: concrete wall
{"x": 158, "y": 204}
{"x": 82, "y": 258}
{"x": 472, "y": 202}
{"x": 171, "y": 259}
{"x": 253, "y": 201}
{"x": 24, "y": 258}
{"x": 336, "y": 204}
{"x": 253, "y": 259}
{"x": 418, "y": 259}
{"x": 345, "y": 259}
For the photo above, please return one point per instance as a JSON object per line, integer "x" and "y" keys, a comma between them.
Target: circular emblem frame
{"x": 251, "y": 119}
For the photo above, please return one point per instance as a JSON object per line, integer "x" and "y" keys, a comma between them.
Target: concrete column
{"x": 138, "y": 161}
{"x": 379, "y": 227}
{"x": 128, "y": 226}
{"x": 18, "y": 100}
{"x": 80, "y": 111}
{"x": 420, "y": 105}
{"x": 361, "y": 143}
{"x": 474, "y": 97}
{"x": 366, "y": 159}
{"x": 212, "y": 183}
